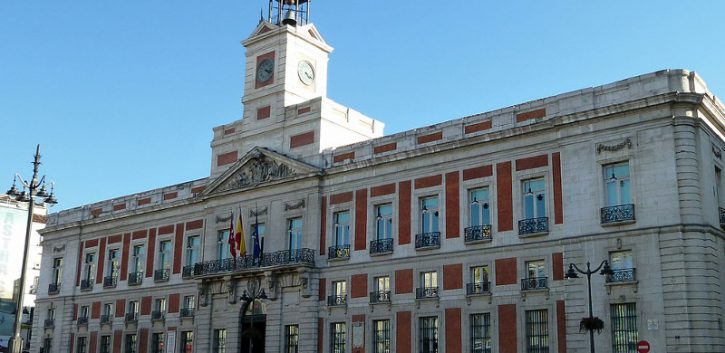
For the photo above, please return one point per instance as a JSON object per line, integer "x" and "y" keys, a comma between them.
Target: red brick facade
{"x": 504, "y": 184}
{"x": 507, "y": 328}
{"x": 453, "y": 330}
{"x": 403, "y": 332}
{"x": 359, "y": 286}
{"x": 404, "y": 281}
{"x": 452, "y": 276}
{"x": 303, "y": 139}
{"x": 361, "y": 219}
{"x": 506, "y": 271}
{"x": 404, "y": 212}
{"x": 452, "y": 205}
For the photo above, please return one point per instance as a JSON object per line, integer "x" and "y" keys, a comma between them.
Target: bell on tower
{"x": 289, "y": 12}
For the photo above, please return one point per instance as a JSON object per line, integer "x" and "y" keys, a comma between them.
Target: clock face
{"x": 306, "y": 72}
{"x": 265, "y": 69}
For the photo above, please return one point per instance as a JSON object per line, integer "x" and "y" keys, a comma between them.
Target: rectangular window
{"x": 294, "y": 231}
{"x": 57, "y": 270}
{"x": 223, "y": 245}
{"x": 381, "y": 336}
{"x": 384, "y": 221}
{"x": 339, "y": 293}
{"x": 292, "y": 335}
{"x": 47, "y": 344}
{"x": 133, "y": 307}
{"x": 429, "y": 214}
{"x": 479, "y": 207}
{"x": 382, "y": 284}
{"x": 105, "y": 345}
{"x": 621, "y": 260}
{"x": 81, "y": 348}
{"x": 618, "y": 188}
{"x": 342, "y": 228}
{"x": 113, "y": 263}
{"x": 193, "y": 243}
{"x": 428, "y": 333}
{"x": 534, "y": 198}
{"x": 50, "y": 314}
{"x": 479, "y": 274}
{"x": 164, "y": 255}
{"x": 160, "y": 304}
{"x": 107, "y": 309}
{"x": 189, "y": 302}
{"x": 481, "y": 333}
{"x": 138, "y": 259}
{"x": 624, "y": 327}
{"x": 220, "y": 341}
{"x": 429, "y": 279}
{"x": 157, "y": 342}
{"x": 130, "y": 346}
{"x": 537, "y": 331}
{"x": 83, "y": 313}
{"x": 187, "y": 342}
{"x": 90, "y": 268}
{"x": 338, "y": 337}
{"x": 535, "y": 275}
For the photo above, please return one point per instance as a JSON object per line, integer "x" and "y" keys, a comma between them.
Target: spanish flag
{"x": 239, "y": 235}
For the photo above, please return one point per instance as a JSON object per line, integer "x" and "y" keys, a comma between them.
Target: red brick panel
{"x": 143, "y": 201}
{"x": 404, "y": 281}
{"x": 178, "y": 247}
{"x": 343, "y": 157}
{"x": 302, "y": 139}
{"x": 471, "y": 128}
{"x": 101, "y": 261}
{"x": 507, "y": 328}
{"x": 264, "y": 112}
{"x": 504, "y": 184}
{"x": 303, "y": 110}
{"x": 558, "y": 199}
{"x": 96, "y": 212}
{"x": 72, "y": 340}
{"x": 78, "y": 266}
{"x": 532, "y": 162}
{"x": 117, "y": 341}
{"x": 341, "y": 198}
{"x": 452, "y": 276}
{"x": 150, "y": 253}
{"x": 93, "y": 342}
{"x": 140, "y": 234}
{"x": 174, "y": 302}
{"x": 385, "y": 148}
{"x": 166, "y": 229}
{"x": 113, "y": 239}
{"x": 506, "y": 271}
{"x": 198, "y": 224}
{"x": 320, "y": 335}
{"x": 75, "y": 312}
{"x": 226, "y": 158}
{"x": 453, "y": 330}
{"x": 403, "y": 332}
{"x": 230, "y": 131}
{"x": 91, "y": 243}
{"x": 143, "y": 338}
{"x": 359, "y": 318}
{"x": 96, "y": 310}
{"x": 430, "y": 137}
{"x": 146, "y": 305}
{"x": 124, "y": 255}
{"x": 561, "y": 325}
{"x": 404, "y": 212}
{"x": 120, "y": 307}
{"x": 426, "y": 182}
{"x": 534, "y": 114}
{"x": 198, "y": 189}
{"x": 361, "y": 219}
{"x": 322, "y": 290}
{"x": 260, "y": 84}
{"x": 557, "y": 262}
{"x": 323, "y": 225}
{"x": 453, "y": 205}
{"x": 359, "y": 286}
{"x": 119, "y": 206}
{"x": 381, "y": 190}
{"x": 478, "y": 172}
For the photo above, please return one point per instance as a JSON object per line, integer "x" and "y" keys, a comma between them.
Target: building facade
{"x": 448, "y": 238}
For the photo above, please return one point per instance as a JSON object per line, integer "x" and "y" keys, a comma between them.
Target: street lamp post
{"x": 32, "y": 189}
{"x": 591, "y": 323}
{"x": 250, "y": 295}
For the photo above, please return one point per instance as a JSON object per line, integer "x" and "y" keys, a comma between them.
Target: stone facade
{"x": 300, "y": 162}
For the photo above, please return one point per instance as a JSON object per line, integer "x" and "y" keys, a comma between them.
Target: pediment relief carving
{"x": 257, "y": 171}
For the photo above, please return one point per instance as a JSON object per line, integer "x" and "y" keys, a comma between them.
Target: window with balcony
{"x": 625, "y": 334}
{"x": 537, "y": 331}
{"x": 163, "y": 266}
{"x": 89, "y": 271}
{"x": 341, "y": 226}
{"x": 383, "y": 243}
{"x": 130, "y": 344}
{"x": 479, "y": 216}
{"x": 618, "y": 199}
{"x": 533, "y": 201}
{"x": 220, "y": 341}
{"x": 83, "y": 315}
{"x": 56, "y": 276}
{"x": 428, "y": 285}
{"x": 381, "y": 290}
{"x": 106, "y": 314}
{"x": 47, "y": 345}
{"x": 479, "y": 281}
{"x": 187, "y": 342}
{"x": 622, "y": 265}
{"x": 428, "y": 334}
{"x": 159, "y": 311}
{"x": 157, "y": 342}
{"x": 104, "y": 345}
{"x": 429, "y": 235}
{"x": 222, "y": 245}
{"x": 188, "y": 306}
{"x": 294, "y": 235}
{"x": 82, "y": 345}
{"x": 338, "y": 337}
{"x": 535, "y": 276}
{"x": 49, "y": 318}
{"x": 193, "y": 245}
{"x": 339, "y": 294}
{"x": 381, "y": 336}
{"x": 112, "y": 269}
{"x": 132, "y": 311}
{"x": 135, "y": 275}
{"x": 481, "y": 341}
{"x": 291, "y": 338}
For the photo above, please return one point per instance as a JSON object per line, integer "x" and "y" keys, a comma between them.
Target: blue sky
{"x": 122, "y": 95}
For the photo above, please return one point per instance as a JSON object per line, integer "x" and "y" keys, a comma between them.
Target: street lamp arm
{"x": 600, "y": 266}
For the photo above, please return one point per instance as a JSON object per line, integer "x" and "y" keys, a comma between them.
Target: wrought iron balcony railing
{"x": 477, "y": 233}
{"x": 187, "y": 271}
{"x": 105, "y": 319}
{"x": 298, "y": 257}
{"x": 53, "y": 288}
{"x": 135, "y": 278}
{"x": 161, "y": 275}
{"x": 534, "y": 226}
{"x": 337, "y": 300}
{"x": 157, "y": 315}
{"x": 534, "y": 283}
{"x": 381, "y": 246}
{"x": 622, "y": 276}
{"x": 48, "y": 323}
{"x": 617, "y": 214}
{"x": 110, "y": 281}
{"x": 82, "y": 321}
{"x": 130, "y": 317}
{"x": 476, "y": 288}
{"x": 426, "y": 292}
{"x": 186, "y": 312}
{"x": 338, "y": 252}
{"x": 380, "y": 297}
{"x": 428, "y": 240}
{"x": 86, "y": 284}
{"x": 722, "y": 217}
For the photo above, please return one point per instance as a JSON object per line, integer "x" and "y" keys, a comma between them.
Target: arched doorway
{"x": 252, "y": 327}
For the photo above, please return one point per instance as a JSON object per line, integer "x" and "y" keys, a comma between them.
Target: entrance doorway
{"x": 253, "y": 332}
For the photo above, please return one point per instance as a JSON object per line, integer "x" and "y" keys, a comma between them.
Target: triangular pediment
{"x": 262, "y": 28}
{"x": 260, "y": 166}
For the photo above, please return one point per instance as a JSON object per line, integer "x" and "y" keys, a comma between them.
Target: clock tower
{"x": 286, "y": 108}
